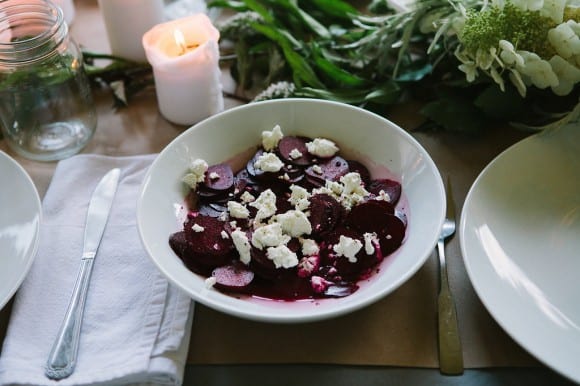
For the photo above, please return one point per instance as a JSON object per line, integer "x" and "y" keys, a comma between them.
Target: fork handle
{"x": 450, "y": 352}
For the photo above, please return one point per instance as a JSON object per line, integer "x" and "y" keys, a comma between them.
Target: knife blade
{"x": 62, "y": 358}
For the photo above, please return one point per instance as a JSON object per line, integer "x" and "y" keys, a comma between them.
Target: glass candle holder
{"x": 46, "y": 107}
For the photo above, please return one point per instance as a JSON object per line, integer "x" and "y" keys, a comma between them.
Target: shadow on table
{"x": 330, "y": 375}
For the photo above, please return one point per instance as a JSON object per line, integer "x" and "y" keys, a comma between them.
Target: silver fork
{"x": 450, "y": 352}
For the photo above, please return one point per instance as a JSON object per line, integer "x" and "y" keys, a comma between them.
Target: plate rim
{"x": 490, "y": 304}
{"x": 5, "y": 157}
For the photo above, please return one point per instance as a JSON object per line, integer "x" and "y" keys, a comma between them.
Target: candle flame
{"x": 180, "y": 41}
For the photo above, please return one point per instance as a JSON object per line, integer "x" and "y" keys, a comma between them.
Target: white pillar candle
{"x": 126, "y": 21}
{"x": 68, "y": 9}
{"x": 184, "y": 55}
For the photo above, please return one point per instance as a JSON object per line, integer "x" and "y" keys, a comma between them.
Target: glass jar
{"x": 46, "y": 107}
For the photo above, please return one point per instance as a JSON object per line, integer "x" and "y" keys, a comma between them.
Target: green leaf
{"x": 302, "y": 72}
{"x": 501, "y": 105}
{"x": 260, "y": 9}
{"x": 455, "y": 114}
{"x": 388, "y": 93}
{"x": 235, "y": 5}
{"x": 415, "y": 75}
{"x": 335, "y": 8}
{"x": 350, "y": 97}
{"x": 307, "y": 19}
{"x": 334, "y": 72}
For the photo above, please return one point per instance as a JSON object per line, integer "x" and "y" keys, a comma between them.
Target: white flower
{"x": 528, "y": 5}
{"x": 470, "y": 70}
{"x": 554, "y": 9}
{"x": 509, "y": 55}
{"x": 568, "y": 75}
{"x": 517, "y": 81}
{"x": 484, "y": 59}
{"x": 538, "y": 71}
{"x": 497, "y": 78}
{"x": 564, "y": 40}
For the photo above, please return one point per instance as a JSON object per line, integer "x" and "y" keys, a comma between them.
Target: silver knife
{"x": 62, "y": 359}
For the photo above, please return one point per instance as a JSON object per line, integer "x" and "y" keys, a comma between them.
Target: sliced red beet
{"x": 198, "y": 262}
{"x": 391, "y": 237}
{"x": 331, "y": 170}
{"x": 263, "y": 266}
{"x": 208, "y": 241}
{"x": 370, "y": 216}
{"x": 210, "y": 210}
{"x": 178, "y": 243}
{"x": 391, "y": 187}
{"x": 219, "y": 177}
{"x": 288, "y": 144}
{"x": 213, "y": 196}
{"x": 233, "y": 277}
{"x": 325, "y": 213}
{"x": 362, "y": 170}
{"x": 252, "y": 170}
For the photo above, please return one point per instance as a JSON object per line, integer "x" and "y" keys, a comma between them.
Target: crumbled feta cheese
{"x": 308, "y": 265}
{"x": 319, "y": 284}
{"x": 282, "y": 256}
{"x": 242, "y": 245}
{"x": 234, "y": 224}
{"x": 370, "y": 238}
{"x": 225, "y": 235}
{"x": 309, "y": 247}
{"x": 214, "y": 176}
{"x": 294, "y": 223}
{"x": 271, "y": 138}
{"x": 269, "y": 162}
{"x": 284, "y": 177}
{"x": 196, "y": 173}
{"x": 247, "y": 197}
{"x": 354, "y": 191}
{"x": 383, "y": 196}
{"x": 295, "y": 153}
{"x": 238, "y": 210}
{"x": 210, "y": 282}
{"x": 266, "y": 205}
{"x": 349, "y": 191}
{"x": 322, "y": 147}
{"x": 348, "y": 247}
{"x": 299, "y": 197}
{"x": 335, "y": 187}
{"x": 317, "y": 169}
{"x": 197, "y": 228}
{"x": 270, "y": 235}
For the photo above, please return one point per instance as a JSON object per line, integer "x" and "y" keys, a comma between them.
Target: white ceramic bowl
{"x": 359, "y": 133}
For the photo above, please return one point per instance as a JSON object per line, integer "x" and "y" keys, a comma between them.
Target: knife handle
{"x": 62, "y": 359}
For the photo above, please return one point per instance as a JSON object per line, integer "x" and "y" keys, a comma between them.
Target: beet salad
{"x": 297, "y": 222}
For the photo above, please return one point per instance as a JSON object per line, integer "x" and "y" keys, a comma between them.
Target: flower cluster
{"x": 530, "y": 42}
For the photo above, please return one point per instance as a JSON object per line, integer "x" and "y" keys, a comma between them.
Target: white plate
{"x": 520, "y": 238}
{"x": 20, "y": 216}
{"x": 368, "y": 136}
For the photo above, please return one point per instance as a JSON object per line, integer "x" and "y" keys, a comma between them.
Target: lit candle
{"x": 184, "y": 55}
{"x": 126, "y": 21}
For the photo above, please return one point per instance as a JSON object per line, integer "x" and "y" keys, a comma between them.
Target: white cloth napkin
{"x": 136, "y": 325}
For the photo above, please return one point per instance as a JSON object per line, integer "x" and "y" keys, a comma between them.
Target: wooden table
{"x": 227, "y": 350}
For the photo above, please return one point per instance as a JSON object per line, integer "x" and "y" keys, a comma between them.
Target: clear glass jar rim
{"x": 43, "y": 11}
